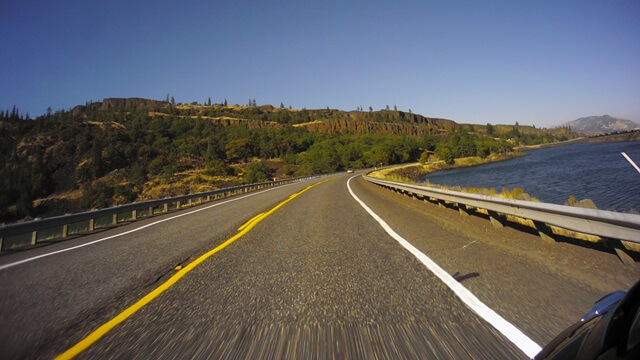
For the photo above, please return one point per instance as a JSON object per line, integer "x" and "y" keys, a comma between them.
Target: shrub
{"x": 257, "y": 172}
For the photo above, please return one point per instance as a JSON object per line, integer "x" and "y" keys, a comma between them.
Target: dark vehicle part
{"x": 610, "y": 330}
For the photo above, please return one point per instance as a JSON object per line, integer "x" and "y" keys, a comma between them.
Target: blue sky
{"x": 537, "y": 62}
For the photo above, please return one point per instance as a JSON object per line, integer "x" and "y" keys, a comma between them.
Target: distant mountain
{"x": 594, "y": 125}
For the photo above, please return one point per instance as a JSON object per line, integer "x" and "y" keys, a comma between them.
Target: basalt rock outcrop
{"x": 362, "y": 127}
{"x": 119, "y": 104}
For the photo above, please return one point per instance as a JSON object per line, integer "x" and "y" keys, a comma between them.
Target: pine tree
{"x": 209, "y": 102}
{"x": 167, "y": 99}
{"x": 225, "y": 102}
{"x": 387, "y": 108}
{"x": 395, "y": 108}
{"x": 173, "y": 101}
{"x": 281, "y": 105}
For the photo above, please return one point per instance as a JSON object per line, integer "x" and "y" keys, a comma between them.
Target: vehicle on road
{"x": 349, "y": 171}
{"x": 610, "y": 330}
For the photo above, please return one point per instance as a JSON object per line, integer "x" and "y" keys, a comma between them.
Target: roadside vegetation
{"x": 109, "y": 153}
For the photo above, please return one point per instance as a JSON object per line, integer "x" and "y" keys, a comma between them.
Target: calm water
{"x": 594, "y": 171}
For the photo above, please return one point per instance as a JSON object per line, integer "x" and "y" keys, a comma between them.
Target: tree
{"x": 410, "y": 111}
{"x": 444, "y": 152}
{"x": 395, "y": 108}
{"x": 387, "y": 108}
{"x": 281, "y": 105}
{"x": 96, "y": 166}
{"x": 490, "y": 129}
{"x": 370, "y": 109}
{"x": 209, "y": 102}
{"x": 167, "y": 99}
{"x": 225, "y": 102}
{"x": 424, "y": 157}
{"x": 173, "y": 101}
{"x": 257, "y": 172}
{"x": 238, "y": 149}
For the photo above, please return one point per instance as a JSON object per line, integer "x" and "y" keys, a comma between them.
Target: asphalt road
{"x": 317, "y": 278}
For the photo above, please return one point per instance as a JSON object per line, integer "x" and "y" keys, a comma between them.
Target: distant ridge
{"x": 595, "y": 125}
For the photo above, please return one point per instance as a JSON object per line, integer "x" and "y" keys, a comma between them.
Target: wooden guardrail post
{"x": 620, "y": 250}
{"x": 178, "y": 204}
{"x": 1, "y": 244}
{"x": 165, "y": 207}
{"x": 545, "y": 232}
{"x": 150, "y": 211}
{"x": 114, "y": 219}
{"x": 189, "y": 202}
{"x": 463, "y": 210}
{"x": 92, "y": 224}
{"x": 134, "y": 214}
{"x": 495, "y": 220}
{"x": 65, "y": 230}
{"x": 34, "y": 237}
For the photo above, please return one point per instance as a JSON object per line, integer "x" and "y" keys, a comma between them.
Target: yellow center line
{"x": 106, "y": 327}
{"x": 250, "y": 221}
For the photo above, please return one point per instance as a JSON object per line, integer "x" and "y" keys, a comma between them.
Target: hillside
{"x": 122, "y": 150}
{"x": 596, "y": 125}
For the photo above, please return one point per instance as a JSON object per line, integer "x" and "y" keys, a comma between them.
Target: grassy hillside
{"x": 123, "y": 150}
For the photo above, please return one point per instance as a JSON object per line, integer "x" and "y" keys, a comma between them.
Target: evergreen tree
{"x": 173, "y": 101}
{"x": 395, "y": 108}
{"x": 387, "y": 108}
{"x": 225, "y": 102}
{"x": 281, "y": 105}
{"x": 209, "y": 102}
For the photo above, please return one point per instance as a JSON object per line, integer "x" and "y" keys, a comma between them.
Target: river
{"x": 595, "y": 171}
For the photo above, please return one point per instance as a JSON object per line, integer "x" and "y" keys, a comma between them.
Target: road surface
{"x": 316, "y": 276}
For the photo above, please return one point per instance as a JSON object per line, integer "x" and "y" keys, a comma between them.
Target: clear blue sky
{"x": 537, "y": 62}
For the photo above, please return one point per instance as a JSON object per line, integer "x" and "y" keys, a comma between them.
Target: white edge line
{"x": 6, "y": 266}
{"x": 517, "y": 337}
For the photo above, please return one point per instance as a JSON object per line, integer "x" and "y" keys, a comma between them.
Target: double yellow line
{"x": 106, "y": 327}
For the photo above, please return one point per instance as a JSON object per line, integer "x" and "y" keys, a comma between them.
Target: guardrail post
{"x": 150, "y": 210}
{"x": 165, "y": 207}
{"x": 92, "y": 224}
{"x": 545, "y": 232}
{"x": 441, "y": 204}
{"x": 620, "y": 250}
{"x": 178, "y": 204}
{"x": 34, "y": 237}
{"x": 65, "y": 230}
{"x": 495, "y": 220}
{"x": 188, "y": 202}
{"x": 0, "y": 244}
{"x": 114, "y": 220}
{"x": 134, "y": 214}
{"x": 463, "y": 210}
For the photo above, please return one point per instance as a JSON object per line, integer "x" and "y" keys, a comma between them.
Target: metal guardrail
{"x": 29, "y": 233}
{"x": 607, "y": 224}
